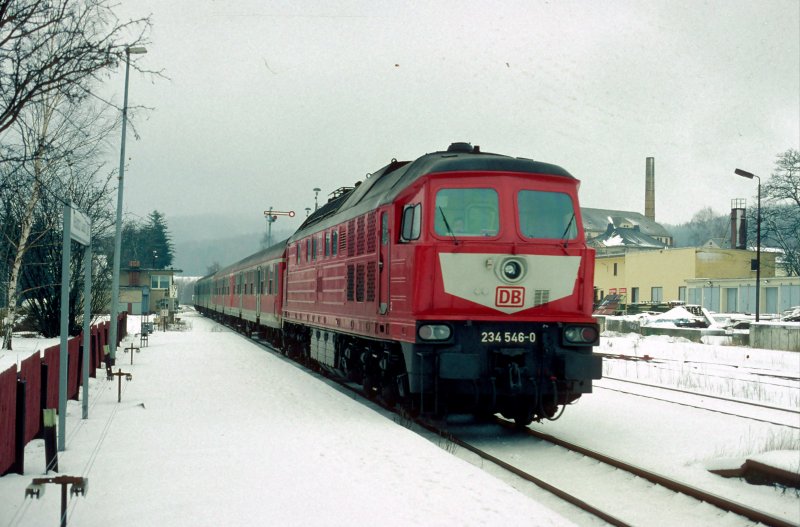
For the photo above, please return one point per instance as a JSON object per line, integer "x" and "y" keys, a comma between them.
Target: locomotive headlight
{"x": 511, "y": 270}
{"x": 581, "y": 335}
{"x": 434, "y": 332}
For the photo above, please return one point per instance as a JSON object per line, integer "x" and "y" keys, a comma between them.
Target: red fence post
{"x": 8, "y": 412}
{"x": 93, "y": 352}
{"x": 74, "y": 372}
{"x": 53, "y": 359}
{"x": 30, "y": 370}
{"x": 19, "y": 428}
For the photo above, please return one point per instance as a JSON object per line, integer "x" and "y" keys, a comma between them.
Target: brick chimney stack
{"x": 650, "y": 189}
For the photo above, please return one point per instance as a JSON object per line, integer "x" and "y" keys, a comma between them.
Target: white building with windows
{"x": 738, "y": 295}
{"x": 144, "y": 291}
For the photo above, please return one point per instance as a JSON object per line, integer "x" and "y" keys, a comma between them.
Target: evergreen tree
{"x": 133, "y": 244}
{"x": 158, "y": 241}
{"x": 148, "y": 243}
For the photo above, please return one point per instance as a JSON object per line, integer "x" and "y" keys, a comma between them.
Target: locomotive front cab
{"x": 503, "y": 295}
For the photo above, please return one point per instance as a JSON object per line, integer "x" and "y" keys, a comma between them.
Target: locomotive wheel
{"x": 371, "y": 386}
{"x": 389, "y": 394}
{"x": 484, "y": 415}
{"x": 523, "y": 416}
{"x": 350, "y": 365}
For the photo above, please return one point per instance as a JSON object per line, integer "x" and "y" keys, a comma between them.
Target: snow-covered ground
{"x": 213, "y": 430}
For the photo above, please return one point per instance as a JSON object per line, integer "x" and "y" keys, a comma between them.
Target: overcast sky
{"x": 267, "y": 100}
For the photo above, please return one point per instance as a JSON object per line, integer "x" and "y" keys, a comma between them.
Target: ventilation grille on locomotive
{"x": 541, "y": 296}
{"x": 351, "y": 275}
{"x": 351, "y": 232}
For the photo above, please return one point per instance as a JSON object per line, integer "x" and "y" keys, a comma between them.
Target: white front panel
{"x": 475, "y": 277}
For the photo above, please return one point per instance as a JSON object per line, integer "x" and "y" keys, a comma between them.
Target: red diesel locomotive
{"x": 456, "y": 283}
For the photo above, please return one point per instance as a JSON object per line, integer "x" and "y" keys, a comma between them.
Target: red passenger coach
{"x": 247, "y": 293}
{"x": 459, "y": 282}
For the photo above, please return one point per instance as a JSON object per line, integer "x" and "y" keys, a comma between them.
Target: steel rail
{"x": 664, "y": 363}
{"x": 675, "y": 486}
{"x": 728, "y": 399}
{"x": 688, "y": 405}
{"x": 569, "y": 498}
{"x": 671, "y": 484}
{"x": 564, "y": 495}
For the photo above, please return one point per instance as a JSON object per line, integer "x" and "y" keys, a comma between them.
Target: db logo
{"x": 509, "y": 296}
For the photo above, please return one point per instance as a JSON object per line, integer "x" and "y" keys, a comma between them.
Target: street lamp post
{"x": 112, "y": 330}
{"x": 748, "y": 175}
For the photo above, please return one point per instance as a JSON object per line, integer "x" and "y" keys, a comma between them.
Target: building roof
{"x": 596, "y": 221}
{"x": 151, "y": 270}
{"x": 625, "y": 237}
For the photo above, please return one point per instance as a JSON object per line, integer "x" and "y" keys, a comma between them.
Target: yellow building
{"x": 662, "y": 275}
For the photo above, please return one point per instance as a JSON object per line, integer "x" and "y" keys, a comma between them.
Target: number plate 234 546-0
{"x": 508, "y": 337}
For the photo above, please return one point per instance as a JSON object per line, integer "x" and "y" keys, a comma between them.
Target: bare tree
{"x": 213, "y": 268}
{"x": 60, "y": 143}
{"x": 51, "y": 55}
{"x": 708, "y": 225}
{"x": 55, "y": 46}
{"x": 780, "y": 211}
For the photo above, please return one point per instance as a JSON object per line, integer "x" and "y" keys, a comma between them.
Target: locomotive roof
{"x": 383, "y": 186}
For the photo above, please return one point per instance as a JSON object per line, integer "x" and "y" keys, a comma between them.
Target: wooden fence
{"x": 32, "y": 386}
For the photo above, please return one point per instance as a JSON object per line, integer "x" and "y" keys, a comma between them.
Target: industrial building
{"x": 635, "y": 259}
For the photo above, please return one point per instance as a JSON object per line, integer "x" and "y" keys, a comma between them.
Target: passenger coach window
{"x": 546, "y": 215}
{"x": 466, "y": 212}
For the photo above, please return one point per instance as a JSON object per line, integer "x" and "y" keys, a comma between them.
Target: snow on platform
{"x": 213, "y": 430}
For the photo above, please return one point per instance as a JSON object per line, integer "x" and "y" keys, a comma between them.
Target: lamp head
{"x": 80, "y": 488}
{"x": 136, "y": 50}
{"x": 744, "y": 173}
{"x": 34, "y": 490}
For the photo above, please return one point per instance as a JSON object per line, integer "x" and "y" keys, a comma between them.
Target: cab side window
{"x": 412, "y": 222}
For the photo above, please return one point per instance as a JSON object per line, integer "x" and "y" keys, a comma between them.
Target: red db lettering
{"x": 509, "y": 296}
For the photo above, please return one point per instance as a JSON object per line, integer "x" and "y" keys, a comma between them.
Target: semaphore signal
{"x": 271, "y": 216}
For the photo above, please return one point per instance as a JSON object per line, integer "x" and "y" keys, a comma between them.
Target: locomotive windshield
{"x": 546, "y": 215}
{"x": 466, "y": 212}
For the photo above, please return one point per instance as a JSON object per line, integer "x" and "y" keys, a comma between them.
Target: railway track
{"x": 725, "y": 372}
{"x": 713, "y": 403}
{"x": 625, "y": 479}
{"x": 631, "y": 480}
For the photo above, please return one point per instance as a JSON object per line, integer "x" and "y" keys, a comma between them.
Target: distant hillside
{"x": 201, "y": 241}
{"x": 194, "y": 257}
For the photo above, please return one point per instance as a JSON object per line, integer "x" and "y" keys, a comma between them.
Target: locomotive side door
{"x": 383, "y": 265}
